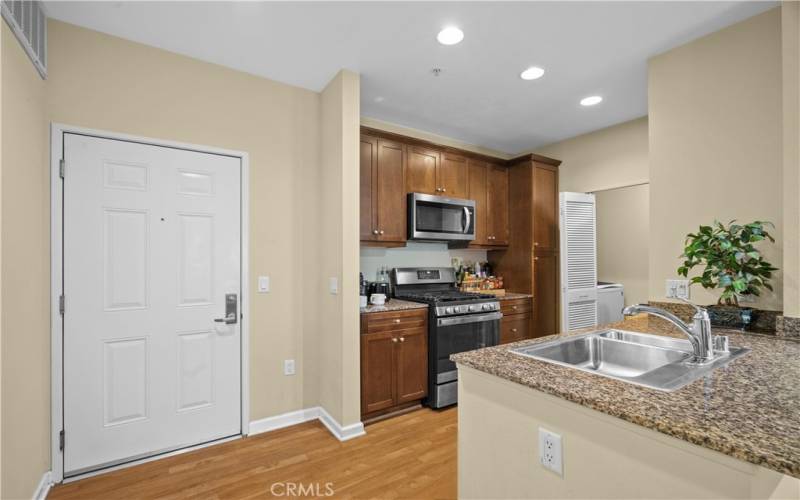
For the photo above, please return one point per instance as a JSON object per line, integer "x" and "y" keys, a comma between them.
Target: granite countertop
{"x": 514, "y": 295}
{"x": 749, "y": 409}
{"x": 393, "y": 305}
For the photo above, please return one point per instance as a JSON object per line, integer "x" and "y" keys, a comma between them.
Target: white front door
{"x": 152, "y": 247}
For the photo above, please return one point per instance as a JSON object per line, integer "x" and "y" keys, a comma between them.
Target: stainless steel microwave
{"x": 438, "y": 218}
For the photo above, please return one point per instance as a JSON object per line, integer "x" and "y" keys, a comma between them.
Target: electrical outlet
{"x": 288, "y": 367}
{"x": 550, "y": 451}
{"x": 333, "y": 285}
{"x": 677, "y": 289}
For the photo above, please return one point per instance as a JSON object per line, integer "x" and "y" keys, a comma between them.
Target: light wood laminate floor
{"x": 410, "y": 456}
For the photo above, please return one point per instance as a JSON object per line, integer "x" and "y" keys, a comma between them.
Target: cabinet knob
{"x": 394, "y": 339}
{"x": 402, "y": 339}
{"x": 513, "y": 308}
{"x": 536, "y": 258}
{"x": 438, "y": 190}
{"x": 374, "y": 231}
{"x": 444, "y": 190}
{"x": 514, "y": 330}
{"x": 397, "y": 320}
{"x": 380, "y": 232}
{"x": 536, "y": 243}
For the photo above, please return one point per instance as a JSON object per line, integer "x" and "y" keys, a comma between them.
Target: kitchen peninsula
{"x": 732, "y": 434}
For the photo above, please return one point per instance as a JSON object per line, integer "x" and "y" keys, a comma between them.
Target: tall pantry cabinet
{"x": 530, "y": 263}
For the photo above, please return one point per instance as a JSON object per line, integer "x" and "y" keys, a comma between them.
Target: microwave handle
{"x": 468, "y": 220}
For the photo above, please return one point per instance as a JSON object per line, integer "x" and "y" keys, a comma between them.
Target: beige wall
{"x": 605, "y": 159}
{"x": 715, "y": 142}
{"x": 603, "y": 456}
{"x": 622, "y": 239}
{"x": 106, "y": 83}
{"x": 339, "y": 318}
{"x": 613, "y": 163}
{"x": 790, "y": 28}
{"x": 26, "y": 273}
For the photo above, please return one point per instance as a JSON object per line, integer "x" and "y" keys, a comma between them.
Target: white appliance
{"x": 610, "y": 302}
{"x": 578, "y": 261}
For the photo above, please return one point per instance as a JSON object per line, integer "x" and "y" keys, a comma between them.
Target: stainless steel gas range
{"x": 457, "y": 322}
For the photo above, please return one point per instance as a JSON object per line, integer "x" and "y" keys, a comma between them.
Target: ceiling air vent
{"x": 29, "y": 22}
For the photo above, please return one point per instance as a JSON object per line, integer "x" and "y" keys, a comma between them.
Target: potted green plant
{"x": 731, "y": 263}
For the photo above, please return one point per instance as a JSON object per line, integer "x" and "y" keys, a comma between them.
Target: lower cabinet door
{"x": 377, "y": 371}
{"x": 412, "y": 365}
{"x": 515, "y": 327}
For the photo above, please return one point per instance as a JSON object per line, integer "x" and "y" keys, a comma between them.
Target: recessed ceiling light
{"x": 450, "y": 36}
{"x": 591, "y": 100}
{"x": 532, "y": 73}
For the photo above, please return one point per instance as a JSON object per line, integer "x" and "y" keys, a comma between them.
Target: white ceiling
{"x": 585, "y": 47}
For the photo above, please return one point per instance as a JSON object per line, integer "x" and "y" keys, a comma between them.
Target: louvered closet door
{"x": 578, "y": 261}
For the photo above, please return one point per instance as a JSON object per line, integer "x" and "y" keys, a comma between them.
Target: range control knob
{"x": 448, "y": 310}
{"x": 473, "y": 308}
{"x": 487, "y": 307}
{"x": 457, "y": 309}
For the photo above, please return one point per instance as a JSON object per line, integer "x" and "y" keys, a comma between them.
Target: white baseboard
{"x": 44, "y": 486}
{"x": 283, "y": 420}
{"x": 341, "y": 433}
{"x": 299, "y": 416}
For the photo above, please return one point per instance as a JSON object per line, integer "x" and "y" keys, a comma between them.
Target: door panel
{"x": 545, "y": 208}
{"x": 391, "y": 206}
{"x": 377, "y": 371}
{"x": 368, "y": 165}
{"x": 453, "y": 176}
{"x": 477, "y": 188}
{"x": 545, "y": 294}
{"x": 151, "y": 247}
{"x": 412, "y": 365}
{"x": 421, "y": 170}
{"x": 497, "y": 195}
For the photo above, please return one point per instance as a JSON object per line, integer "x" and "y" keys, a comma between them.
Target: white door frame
{"x": 57, "y": 132}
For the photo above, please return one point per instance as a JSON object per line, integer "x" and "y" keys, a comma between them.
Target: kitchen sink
{"x": 653, "y": 361}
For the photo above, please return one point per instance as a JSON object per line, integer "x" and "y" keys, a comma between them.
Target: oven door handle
{"x": 471, "y": 318}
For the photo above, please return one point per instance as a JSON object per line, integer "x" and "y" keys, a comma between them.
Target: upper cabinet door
{"x": 391, "y": 206}
{"x": 452, "y": 178}
{"x": 545, "y": 208}
{"x": 476, "y": 190}
{"x": 369, "y": 163}
{"x": 421, "y": 170}
{"x": 497, "y": 201}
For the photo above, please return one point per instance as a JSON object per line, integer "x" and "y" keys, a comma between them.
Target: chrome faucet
{"x": 699, "y": 332}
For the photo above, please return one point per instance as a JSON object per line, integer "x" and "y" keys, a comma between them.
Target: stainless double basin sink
{"x": 653, "y": 361}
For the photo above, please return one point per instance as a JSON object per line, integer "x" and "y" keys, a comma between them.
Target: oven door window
{"x": 452, "y": 339}
{"x": 434, "y": 217}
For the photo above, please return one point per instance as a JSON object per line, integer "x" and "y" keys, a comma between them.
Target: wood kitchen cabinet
{"x": 383, "y": 199}
{"x": 487, "y": 184}
{"x": 422, "y": 173}
{"x": 497, "y": 201}
{"x": 530, "y": 263}
{"x": 452, "y": 178}
{"x": 394, "y": 361}
{"x": 516, "y": 323}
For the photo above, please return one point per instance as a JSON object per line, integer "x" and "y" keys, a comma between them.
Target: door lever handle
{"x": 231, "y": 313}
{"x": 230, "y": 319}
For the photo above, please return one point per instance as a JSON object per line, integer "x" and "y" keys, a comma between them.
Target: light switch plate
{"x": 263, "y": 284}
{"x": 333, "y": 285}
{"x": 288, "y": 367}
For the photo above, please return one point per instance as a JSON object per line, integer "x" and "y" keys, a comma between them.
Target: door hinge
{"x": 61, "y": 305}
{"x": 61, "y": 168}
{"x": 61, "y": 440}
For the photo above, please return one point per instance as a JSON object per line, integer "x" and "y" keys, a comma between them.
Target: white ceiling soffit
{"x": 586, "y": 48}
